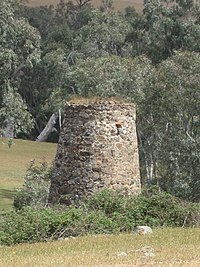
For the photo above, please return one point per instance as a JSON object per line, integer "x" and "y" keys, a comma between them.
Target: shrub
{"x": 157, "y": 210}
{"x": 35, "y": 190}
{"x": 107, "y": 200}
{"x": 152, "y": 208}
{"x": 31, "y": 225}
{"x": 104, "y": 212}
{"x": 97, "y": 222}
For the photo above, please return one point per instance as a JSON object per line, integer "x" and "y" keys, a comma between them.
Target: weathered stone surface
{"x": 142, "y": 230}
{"x": 97, "y": 148}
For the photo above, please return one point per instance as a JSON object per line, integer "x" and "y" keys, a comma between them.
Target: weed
{"x": 35, "y": 190}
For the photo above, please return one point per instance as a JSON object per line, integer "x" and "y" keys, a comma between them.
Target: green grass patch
{"x": 14, "y": 162}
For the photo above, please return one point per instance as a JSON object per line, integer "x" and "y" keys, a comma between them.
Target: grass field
{"x": 118, "y": 4}
{"x": 14, "y": 162}
{"x": 164, "y": 248}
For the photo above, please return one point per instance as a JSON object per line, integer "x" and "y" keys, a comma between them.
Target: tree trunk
{"x": 48, "y": 129}
{"x": 9, "y": 130}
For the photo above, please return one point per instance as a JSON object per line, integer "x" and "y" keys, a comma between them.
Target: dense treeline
{"x": 48, "y": 54}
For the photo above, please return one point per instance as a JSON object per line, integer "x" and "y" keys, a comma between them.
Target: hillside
{"x": 14, "y": 162}
{"x": 166, "y": 247}
{"x": 118, "y": 4}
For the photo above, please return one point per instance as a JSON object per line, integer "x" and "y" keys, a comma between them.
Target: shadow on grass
{"x": 5, "y": 193}
{"x": 6, "y": 200}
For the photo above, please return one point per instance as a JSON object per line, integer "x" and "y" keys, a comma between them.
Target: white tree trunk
{"x": 48, "y": 129}
{"x": 9, "y": 130}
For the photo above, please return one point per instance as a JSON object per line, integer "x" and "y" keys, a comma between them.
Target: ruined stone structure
{"x": 97, "y": 149}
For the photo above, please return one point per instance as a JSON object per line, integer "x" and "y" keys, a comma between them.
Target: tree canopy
{"x": 48, "y": 54}
{"x": 19, "y": 50}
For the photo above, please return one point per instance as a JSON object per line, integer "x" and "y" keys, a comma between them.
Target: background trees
{"x": 168, "y": 125}
{"x": 105, "y": 34}
{"x": 164, "y": 28}
{"x": 19, "y": 50}
{"x": 110, "y": 76}
{"x": 150, "y": 58}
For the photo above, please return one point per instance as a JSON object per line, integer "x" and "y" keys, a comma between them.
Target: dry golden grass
{"x": 118, "y": 4}
{"x": 79, "y": 100}
{"x": 172, "y": 247}
{"x": 14, "y": 162}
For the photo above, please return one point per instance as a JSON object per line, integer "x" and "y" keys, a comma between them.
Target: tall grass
{"x": 165, "y": 247}
{"x": 14, "y": 162}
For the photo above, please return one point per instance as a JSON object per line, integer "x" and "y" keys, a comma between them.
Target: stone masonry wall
{"x": 97, "y": 149}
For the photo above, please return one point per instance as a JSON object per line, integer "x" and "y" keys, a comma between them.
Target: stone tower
{"x": 97, "y": 149}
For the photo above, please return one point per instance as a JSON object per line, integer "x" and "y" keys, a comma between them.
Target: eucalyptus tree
{"x": 170, "y": 26}
{"x": 109, "y": 76}
{"x": 74, "y": 13}
{"x": 19, "y": 50}
{"x": 169, "y": 126}
{"x": 43, "y": 18}
{"x": 105, "y": 34}
{"x": 164, "y": 27}
{"x": 58, "y": 26}
{"x": 40, "y": 83}
{"x": 136, "y": 37}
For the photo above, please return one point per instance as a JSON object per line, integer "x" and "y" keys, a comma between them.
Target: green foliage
{"x": 168, "y": 126}
{"x": 92, "y": 52}
{"x": 19, "y": 50}
{"x": 30, "y": 225}
{"x": 19, "y": 42}
{"x": 104, "y": 35}
{"x": 35, "y": 190}
{"x": 98, "y": 222}
{"x": 107, "y": 201}
{"x": 40, "y": 17}
{"x": 160, "y": 210}
{"x": 104, "y": 212}
{"x": 60, "y": 37}
{"x": 164, "y": 28}
{"x": 14, "y": 111}
{"x": 150, "y": 208}
{"x": 109, "y": 76}
{"x": 39, "y": 85}
{"x": 75, "y": 14}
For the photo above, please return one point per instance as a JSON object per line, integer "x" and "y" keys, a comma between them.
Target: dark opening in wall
{"x": 119, "y": 127}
